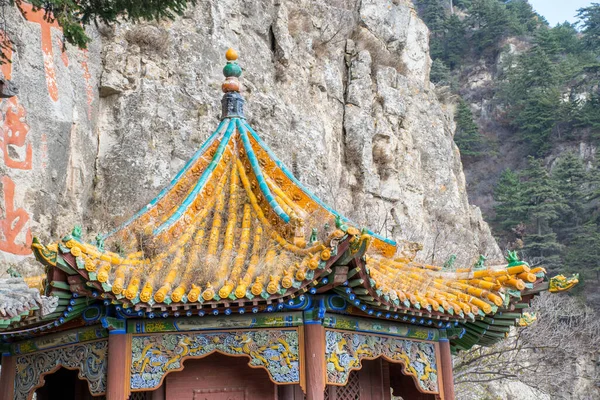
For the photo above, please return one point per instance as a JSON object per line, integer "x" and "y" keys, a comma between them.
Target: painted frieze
{"x": 345, "y": 350}
{"x": 351, "y": 323}
{"x": 153, "y": 356}
{"x": 90, "y": 359}
{"x": 48, "y": 342}
{"x": 278, "y": 320}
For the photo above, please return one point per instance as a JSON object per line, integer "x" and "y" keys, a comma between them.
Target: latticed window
{"x": 349, "y": 392}
{"x": 352, "y": 389}
{"x": 140, "y": 396}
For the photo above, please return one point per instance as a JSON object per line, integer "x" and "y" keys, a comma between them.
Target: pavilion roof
{"x": 235, "y": 226}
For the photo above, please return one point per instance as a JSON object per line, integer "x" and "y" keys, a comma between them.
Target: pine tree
{"x": 490, "y": 22}
{"x": 583, "y": 255}
{"x": 566, "y": 35}
{"x": 532, "y": 99}
{"x": 590, "y": 23}
{"x": 467, "y": 137}
{"x": 510, "y": 202}
{"x": 570, "y": 179}
{"x": 433, "y": 14}
{"x": 587, "y": 115}
{"x": 454, "y": 43}
{"x": 521, "y": 16}
{"x": 440, "y": 73}
{"x": 542, "y": 206}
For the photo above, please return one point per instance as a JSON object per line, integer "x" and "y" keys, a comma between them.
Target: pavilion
{"x": 237, "y": 282}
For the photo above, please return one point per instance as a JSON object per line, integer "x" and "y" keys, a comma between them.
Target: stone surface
{"x": 48, "y": 137}
{"x": 338, "y": 89}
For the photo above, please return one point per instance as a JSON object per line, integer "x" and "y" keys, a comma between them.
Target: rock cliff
{"x": 338, "y": 89}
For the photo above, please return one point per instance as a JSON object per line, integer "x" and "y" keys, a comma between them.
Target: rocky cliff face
{"x": 339, "y": 90}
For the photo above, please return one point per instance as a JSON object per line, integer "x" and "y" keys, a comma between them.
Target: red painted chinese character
{"x": 13, "y": 223}
{"x": 13, "y": 133}
{"x": 48, "y": 53}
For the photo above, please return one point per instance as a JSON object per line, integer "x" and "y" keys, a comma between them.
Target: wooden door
{"x": 219, "y": 377}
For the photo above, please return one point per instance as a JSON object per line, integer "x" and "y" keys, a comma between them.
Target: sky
{"x": 557, "y": 11}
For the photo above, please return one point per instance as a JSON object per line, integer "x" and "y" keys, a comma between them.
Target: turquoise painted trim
{"x": 174, "y": 181}
{"x": 202, "y": 181}
{"x": 302, "y": 187}
{"x": 262, "y": 184}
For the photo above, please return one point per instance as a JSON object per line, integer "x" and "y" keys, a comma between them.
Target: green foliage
{"x": 522, "y": 18}
{"x": 528, "y": 205}
{"x": 510, "y": 201}
{"x": 571, "y": 182}
{"x": 490, "y": 22}
{"x": 538, "y": 89}
{"x": 535, "y": 117}
{"x": 541, "y": 195}
{"x": 440, "y": 73}
{"x": 590, "y": 24}
{"x": 467, "y": 137}
{"x": 453, "y": 46}
{"x": 587, "y": 115}
{"x": 74, "y": 15}
{"x": 583, "y": 255}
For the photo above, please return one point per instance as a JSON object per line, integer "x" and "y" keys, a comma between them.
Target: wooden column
{"x": 119, "y": 368}
{"x": 7, "y": 377}
{"x": 446, "y": 367}
{"x": 314, "y": 356}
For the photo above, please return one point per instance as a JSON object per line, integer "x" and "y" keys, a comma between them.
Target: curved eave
{"x": 89, "y": 286}
{"x": 362, "y": 290}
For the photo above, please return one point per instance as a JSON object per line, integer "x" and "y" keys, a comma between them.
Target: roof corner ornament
{"x": 561, "y": 283}
{"x": 232, "y": 103}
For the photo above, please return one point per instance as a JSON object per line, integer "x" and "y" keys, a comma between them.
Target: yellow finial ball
{"x": 231, "y": 55}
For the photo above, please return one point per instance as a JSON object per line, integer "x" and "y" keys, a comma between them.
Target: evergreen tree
{"x": 521, "y": 16}
{"x": 542, "y": 206}
{"x": 587, "y": 115}
{"x": 467, "y": 137}
{"x": 462, "y": 4}
{"x": 536, "y": 118}
{"x": 570, "y": 179}
{"x": 454, "y": 43}
{"x": 490, "y": 23}
{"x": 547, "y": 42}
{"x": 433, "y": 14}
{"x": 510, "y": 202}
{"x": 440, "y": 73}
{"x": 590, "y": 24}
{"x": 566, "y": 36}
{"x": 583, "y": 255}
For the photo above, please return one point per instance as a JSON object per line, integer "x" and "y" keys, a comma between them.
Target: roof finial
{"x": 232, "y": 102}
